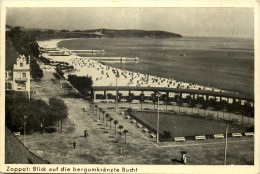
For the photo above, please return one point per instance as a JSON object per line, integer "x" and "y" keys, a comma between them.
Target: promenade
{"x": 102, "y": 145}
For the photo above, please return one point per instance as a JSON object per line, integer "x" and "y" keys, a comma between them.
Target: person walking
{"x": 74, "y": 144}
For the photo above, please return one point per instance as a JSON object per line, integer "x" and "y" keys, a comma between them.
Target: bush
{"x": 82, "y": 84}
{"x": 50, "y": 129}
{"x": 167, "y": 134}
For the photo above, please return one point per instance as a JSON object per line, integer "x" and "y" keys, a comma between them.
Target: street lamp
{"x": 158, "y": 118}
{"x": 117, "y": 75}
{"x": 24, "y": 123}
{"x": 225, "y": 153}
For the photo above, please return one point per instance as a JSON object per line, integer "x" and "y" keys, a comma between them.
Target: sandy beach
{"x": 103, "y": 75}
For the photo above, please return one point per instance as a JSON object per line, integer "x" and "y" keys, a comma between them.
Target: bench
{"x": 111, "y": 101}
{"x": 139, "y": 125}
{"x": 249, "y": 134}
{"x": 200, "y": 137}
{"x": 17, "y": 134}
{"x": 218, "y": 136}
{"x": 152, "y": 135}
{"x": 135, "y": 108}
{"x": 179, "y": 139}
{"x": 145, "y": 129}
{"x": 236, "y": 135}
{"x": 160, "y": 102}
{"x": 133, "y": 121}
{"x": 135, "y": 102}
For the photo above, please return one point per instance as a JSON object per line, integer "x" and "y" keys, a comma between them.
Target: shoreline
{"x": 93, "y": 69}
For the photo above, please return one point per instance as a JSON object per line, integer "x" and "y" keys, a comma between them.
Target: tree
{"x": 16, "y": 107}
{"x": 154, "y": 99}
{"x": 125, "y": 132}
{"x": 200, "y": 100}
{"x": 192, "y": 105}
{"x": 107, "y": 116}
{"x": 165, "y": 100}
{"x": 176, "y": 100}
{"x": 109, "y": 96}
{"x": 205, "y": 105}
{"x": 110, "y": 120}
{"x": 103, "y": 113}
{"x": 83, "y": 84}
{"x": 115, "y": 123}
{"x": 34, "y": 47}
{"x": 100, "y": 111}
{"x": 58, "y": 109}
{"x": 96, "y": 106}
{"x": 20, "y": 111}
{"x": 130, "y": 98}
{"x": 247, "y": 110}
{"x": 24, "y": 42}
{"x": 120, "y": 128}
{"x": 36, "y": 71}
{"x": 217, "y": 107}
{"x": 231, "y": 108}
{"x": 120, "y": 96}
{"x": 179, "y": 101}
{"x": 223, "y": 105}
{"x": 141, "y": 99}
{"x": 39, "y": 114}
{"x": 167, "y": 134}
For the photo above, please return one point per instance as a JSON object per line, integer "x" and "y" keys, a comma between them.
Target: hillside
{"x": 96, "y": 33}
{"x": 133, "y": 33}
{"x": 10, "y": 54}
{"x": 17, "y": 153}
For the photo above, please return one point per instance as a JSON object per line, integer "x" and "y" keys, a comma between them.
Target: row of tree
{"x": 33, "y": 114}
{"x": 25, "y": 43}
{"x": 234, "y": 107}
{"x": 101, "y": 112}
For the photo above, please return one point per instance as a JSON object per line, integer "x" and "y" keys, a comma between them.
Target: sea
{"x": 224, "y": 63}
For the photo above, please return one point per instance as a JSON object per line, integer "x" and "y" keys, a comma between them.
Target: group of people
{"x": 103, "y": 75}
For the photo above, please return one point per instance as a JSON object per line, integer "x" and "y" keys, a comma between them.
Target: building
{"x": 18, "y": 79}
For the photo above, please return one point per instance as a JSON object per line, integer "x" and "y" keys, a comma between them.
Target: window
{"x": 6, "y": 75}
{"x": 21, "y": 86}
{"x": 8, "y": 85}
{"x": 23, "y": 75}
{"x": 21, "y": 64}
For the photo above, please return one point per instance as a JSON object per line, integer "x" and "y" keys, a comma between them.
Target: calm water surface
{"x": 225, "y": 63}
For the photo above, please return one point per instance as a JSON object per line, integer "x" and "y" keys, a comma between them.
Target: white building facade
{"x": 19, "y": 79}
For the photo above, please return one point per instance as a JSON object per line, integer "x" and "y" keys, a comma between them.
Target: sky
{"x": 206, "y": 22}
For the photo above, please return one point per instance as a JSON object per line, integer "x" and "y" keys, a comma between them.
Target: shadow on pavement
{"x": 140, "y": 138}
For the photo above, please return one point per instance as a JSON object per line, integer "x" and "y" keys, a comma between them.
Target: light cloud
{"x": 209, "y": 22}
